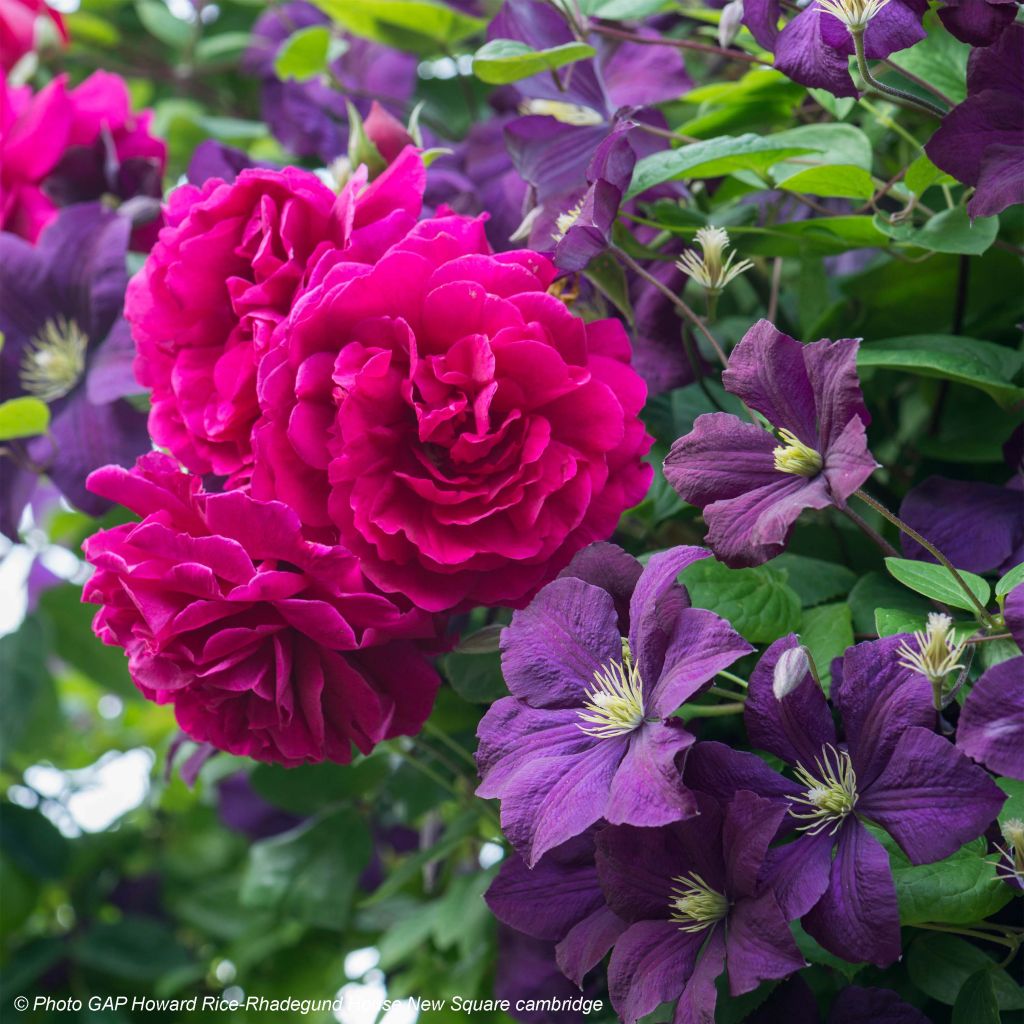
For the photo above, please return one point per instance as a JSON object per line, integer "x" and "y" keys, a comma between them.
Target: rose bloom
{"x": 21, "y": 23}
{"x": 463, "y": 430}
{"x": 267, "y": 645}
{"x": 222, "y": 276}
{"x": 56, "y": 144}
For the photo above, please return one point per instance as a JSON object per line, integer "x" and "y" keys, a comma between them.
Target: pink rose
{"x": 223, "y": 274}
{"x": 59, "y": 146}
{"x": 267, "y": 645}
{"x": 18, "y": 28}
{"x": 464, "y": 432}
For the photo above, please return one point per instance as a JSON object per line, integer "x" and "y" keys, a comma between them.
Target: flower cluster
{"x": 421, "y": 405}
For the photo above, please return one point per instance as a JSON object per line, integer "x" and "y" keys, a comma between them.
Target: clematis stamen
{"x": 564, "y": 221}
{"x": 854, "y": 14}
{"x": 695, "y": 905}
{"x": 54, "y": 360}
{"x": 935, "y": 653}
{"x": 793, "y": 456}
{"x": 566, "y": 113}
{"x": 615, "y": 704}
{"x": 1011, "y": 867}
{"x": 831, "y": 792}
{"x": 710, "y": 269}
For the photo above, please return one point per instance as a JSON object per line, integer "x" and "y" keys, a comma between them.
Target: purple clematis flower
{"x": 587, "y": 732}
{"x": 813, "y": 47}
{"x": 694, "y": 895}
{"x": 978, "y": 22}
{"x": 585, "y": 231}
{"x": 795, "y": 1003}
{"x": 892, "y": 770}
{"x": 991, "y": 726}
{"x": 560, "y": 901}
{"x": 981, "y": 142}
{"x": 66, "y": 343}
{"x": 750, "y": 487}
{"x": 310, "y": 118}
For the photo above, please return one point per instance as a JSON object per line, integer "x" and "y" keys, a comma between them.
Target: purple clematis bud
{"x": 694, "y": 899}
{"x": 589, "y": 731}
{"x": 751, "y": 487}
{"x": 892, "y": 770}
{"x": 981, "y": 142}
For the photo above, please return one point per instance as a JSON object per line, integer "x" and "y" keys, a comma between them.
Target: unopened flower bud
{"x": 790, "y": 671}
{"x": 713, "y": 269}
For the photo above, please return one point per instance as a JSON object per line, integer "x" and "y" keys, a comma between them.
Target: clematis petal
{"x": 650, "y": 965}
{"x": 702, "y": 645}
{"x": 587, "y": 942}
{"x": 930, "y": 798}
{"x": 991, "y": 726}
{"x": 856, "y": 1005}
{"x": 718, "y": 769}
{"x": 794, "y": 725}
{"x": 750, "y": 825}
{"x": 607, "y": 566}
{"x": 857, "y": 917}
{"x": 798, "y": 872}
{"x": 878, "y": 700}
{"x": 697, "y": 1003}
{"x": 648, "y": 785}
{"x": 760, "y": 944}
{"x": 553, "y": 648}
{"x": 803, "y": 54}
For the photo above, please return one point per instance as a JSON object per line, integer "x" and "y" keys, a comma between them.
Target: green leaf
{"x": 838, "y": 144}
{"x": 976, "y": 1001}
{"x": 308, "y": 789}
{"x": 27, "y": 693}
{"x": 891, "y": 621}
{"x": 939, "y": 965}
{"x": 1012, "y": 579}
{"x": 225, "y": 46}
{"x": 710, "y": 159}
{"x": 23, "y": 417}
{"x": 814, "y": 579}
{"x": 309, "y": 873}
{"x": 1014, "y": 806}
{"x": 827, "y": 631}
{"x": 841, "y": 180}
{"x": 922, "y": 174}
{"x": 304, "y": 54}
{"x": 940, "y": 58}
{"x": 936, "y": 582}
{"x": 501, "y": 61}
{"x": 951, "y": 231}
{"x": 607, "y": 275}
{"x": 758, "y": 602}
{"x": 416, "y": 25}
{"x": 979, "y": 364}
{"x": 33, "y": 844}
{"x": 958, "y": 890}
{"x": 134, "y": 949}
{"x": 475, "y": 677}
{"x": 623, "y": 10}
{"x": 160, "y": 23}
{"x": 873, "y": 591}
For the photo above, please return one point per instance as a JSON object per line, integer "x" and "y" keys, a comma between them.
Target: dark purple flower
{"x": 857, "y": 1005}
{"x": 977, "y": 525}
{"x": 243, "y": 810}
{"x": 981, "y": 142}
{"x": 978, "y": 22}
{"x": 588, "y": 733}
{"x": 991, "y": 726}
{"x": 66, "y": 343}
{"x": 751, "y": 487}
{"x": 212, "y": 159}
{"x": 892, "y": 770}
{"x": 310, "y": 118}
{"x": 585, "y": 231}
{"x": 695, "y": 898}
{"x": 560, "y": 901}
{"x": 813, "y": 47}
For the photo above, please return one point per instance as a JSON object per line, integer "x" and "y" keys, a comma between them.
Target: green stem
{"x": 869, "y": 531}
{"x": 983, "y": 613}
{"x": 970, "y": 933}
{"x": 713, "y": 710}
{"x": 718, "y": 691}
{"x": 733, "y": 678}
{"x": 906, "y": 98}
{"x": 457, "y": 748}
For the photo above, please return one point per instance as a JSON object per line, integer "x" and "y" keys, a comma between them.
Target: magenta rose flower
{"x": 223, "y": 275}
{"x": 62, "y": 146}
{"x": 267, "y": 645}
{"x": 464, "y": 432}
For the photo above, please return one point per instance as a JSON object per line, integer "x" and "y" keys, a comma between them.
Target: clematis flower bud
{"x": 790, "y": 670}
{"x": 936, "y": 654}
{"x": 714, "y": 268}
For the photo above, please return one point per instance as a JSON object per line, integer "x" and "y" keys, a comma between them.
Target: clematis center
{"x": 935, "y": 652}
{"x": 1011, "y": 866}
{"x": 566, "y": 113}
{"x": 695, "y": 905}
{"x": 854, "y": 14}
{"x": 564, "y": 221}
{"x": 54, "y": 360}
{"x": 830, "y": 794}
{"x": 615, "y": 704}
{"x": 793, "y": 456}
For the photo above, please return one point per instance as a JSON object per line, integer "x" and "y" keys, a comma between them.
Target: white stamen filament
{"x": 695, "y": 905}
{"x": 54, "y": 360}
{"x": 710, "y": 269}
{"x": 793, "y": 456}
{"x": 936, "y": 653}
{"x": 831, "y": 792}
{"x": 615, "y": 704}
{"x": 854, "y": 14}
